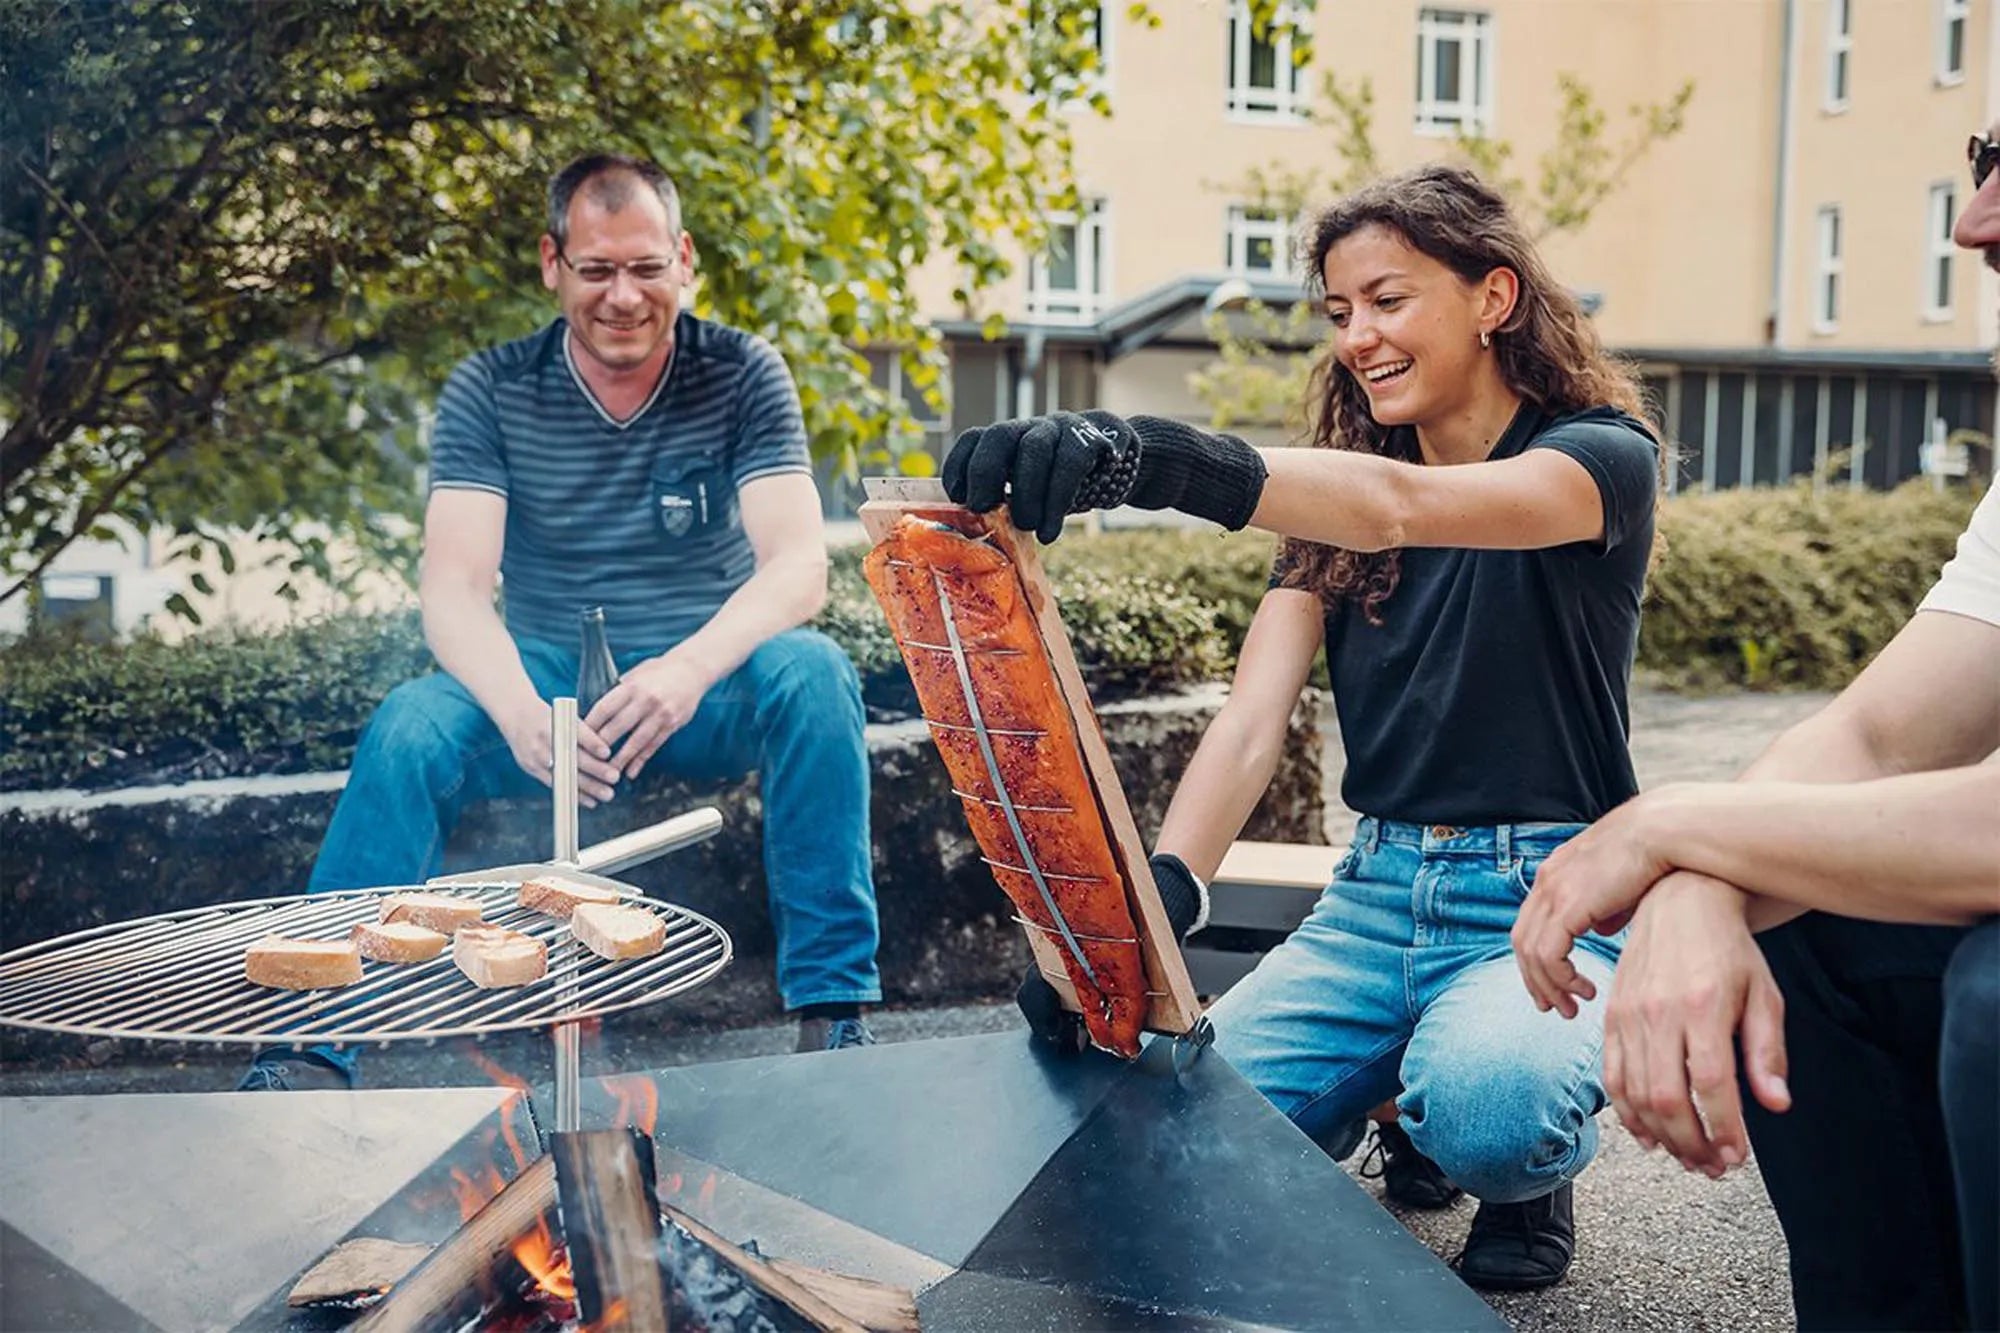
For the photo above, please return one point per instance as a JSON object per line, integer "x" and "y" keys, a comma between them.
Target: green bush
{"x": 1782, "y": 588}
{"x": 1767, "y": 588}
{"x": 218, "y": 703}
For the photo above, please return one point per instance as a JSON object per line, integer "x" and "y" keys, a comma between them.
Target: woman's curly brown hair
{"x": 1548, "y": 351}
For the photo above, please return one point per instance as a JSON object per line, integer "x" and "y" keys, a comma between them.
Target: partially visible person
{"x": 632, "y": 456}
{"x": 1468, "y": 545}
{"x": 1870, "y": 1080}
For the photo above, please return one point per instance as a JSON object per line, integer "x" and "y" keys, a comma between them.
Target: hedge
{"x": 1767, "y": 588}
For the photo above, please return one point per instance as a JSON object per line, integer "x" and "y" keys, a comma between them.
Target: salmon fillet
{"x": 1035, "y": 747}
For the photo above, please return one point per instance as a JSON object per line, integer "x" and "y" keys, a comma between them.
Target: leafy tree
{"x": 240, "y": 245}
{"x": 1253, "y": 380}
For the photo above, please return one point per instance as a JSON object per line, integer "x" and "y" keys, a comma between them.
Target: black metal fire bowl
{"x": 1013, "y": 1189}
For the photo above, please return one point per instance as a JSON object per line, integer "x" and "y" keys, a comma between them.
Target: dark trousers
{"x": 1872, "y": 1170}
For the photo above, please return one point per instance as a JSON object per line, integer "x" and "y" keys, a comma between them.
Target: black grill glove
{"x": 1070, "y": 462}
{"x": 1186, "y": 899}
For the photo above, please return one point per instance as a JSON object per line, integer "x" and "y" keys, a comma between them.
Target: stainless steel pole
{"x": 567, "y": 1036}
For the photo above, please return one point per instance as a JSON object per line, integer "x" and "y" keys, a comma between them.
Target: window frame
{"x": 1088, "y": 300}
{"x": 1939, "y": 251}
{"x": 1828, "y": 268}
{"x": 1477, "y": 34}
{"x": 1285, "y": 102}
{"x": 1950, "y": 12}
{"x": 1239, "y": 229}
{"x": 1839, "y": 71}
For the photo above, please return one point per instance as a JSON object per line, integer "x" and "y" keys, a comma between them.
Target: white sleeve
{"x": 1970, "y": 583}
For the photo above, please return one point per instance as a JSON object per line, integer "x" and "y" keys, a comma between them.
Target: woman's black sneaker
{"x": 1520, "y": 1246}
{"x": 1408, "y": 1177}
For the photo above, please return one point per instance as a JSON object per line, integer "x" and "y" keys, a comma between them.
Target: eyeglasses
{"x": 1984, "y": 155}
{"x": 601, "y": 272}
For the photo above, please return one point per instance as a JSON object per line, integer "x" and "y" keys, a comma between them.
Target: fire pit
{"x": 985, "y": 1183}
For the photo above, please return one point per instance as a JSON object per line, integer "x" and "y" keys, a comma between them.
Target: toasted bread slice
{"x": 399, "y": 941}
{"x": 284, "y": 964}
{"x": 433, "y": 911}
{"x": 558, "y": 895}
{"x": 493, "y": 957}
{"x": 618, "y": 932}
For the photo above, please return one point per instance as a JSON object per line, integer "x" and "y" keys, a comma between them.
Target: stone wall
{"x": 72, "y": 860}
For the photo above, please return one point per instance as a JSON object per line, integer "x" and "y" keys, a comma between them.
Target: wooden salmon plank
{"x": 1172, "y": 1004}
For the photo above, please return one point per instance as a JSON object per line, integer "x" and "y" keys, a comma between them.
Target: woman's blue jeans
{"x": 1402, "y": 983}
{"x": 792, "y": 713}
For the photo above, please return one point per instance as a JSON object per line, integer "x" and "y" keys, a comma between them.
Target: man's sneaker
{"x": 1520, "y": 1246}
{"x": 833, "y": 1034}
{"x": 1408, "y": 1177}
{"x": 294, "y": 1073}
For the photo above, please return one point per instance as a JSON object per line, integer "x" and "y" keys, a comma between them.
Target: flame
{"x": 637, "y": 1102}
{"x": 705, "y": 1196}
{"x": 537, "y": 1251}
{"x": 547, "y": 1264}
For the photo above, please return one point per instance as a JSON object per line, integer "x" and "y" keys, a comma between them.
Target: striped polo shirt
{"x": 637, "y": 516}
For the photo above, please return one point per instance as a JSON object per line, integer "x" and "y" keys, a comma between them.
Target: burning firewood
{"x": 618, "y": 1267}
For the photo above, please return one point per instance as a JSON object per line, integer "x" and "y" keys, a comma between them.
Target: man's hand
{"x": 653, "y": 701}
{"x": 1591, "y": 882}
{"x": 1044, "y": 468}
{"x": 530, "y": 734}
{"x": 1692, "y": 978}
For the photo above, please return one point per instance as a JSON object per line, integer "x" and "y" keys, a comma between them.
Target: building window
{"x": 1263, "y": 77}
{"x": 1066, "y": 284}
{"x": 1826, "y": 277}
{"x": 1259, "y": 243}
{"x": 1839, "y": 49}
{"x": 1097, "y": 31}
{"x": 1941, "y": 217}
{"x": 1454, "y": 72}
{"x": 1952, "y": 16}
{"x": 1094, "y": 33}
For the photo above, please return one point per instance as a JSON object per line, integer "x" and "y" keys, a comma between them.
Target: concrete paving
{"x": 1657, "y": 1248}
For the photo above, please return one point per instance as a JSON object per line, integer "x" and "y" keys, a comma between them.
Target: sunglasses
{"x": 1984, "y": 155}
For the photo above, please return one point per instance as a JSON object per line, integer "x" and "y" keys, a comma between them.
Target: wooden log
{"x": 611, "y": 1224}
{"x": 356, "y": 1269}
{"x": 449, "y": 1287}
{"x": 779, "y": 1286}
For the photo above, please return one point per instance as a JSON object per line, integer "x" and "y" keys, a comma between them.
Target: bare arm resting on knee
{"x": 1872, "y": 807}
{"x": 781, "y": 517}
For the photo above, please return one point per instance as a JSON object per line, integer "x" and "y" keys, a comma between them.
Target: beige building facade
{"x": 1781, "y": 267}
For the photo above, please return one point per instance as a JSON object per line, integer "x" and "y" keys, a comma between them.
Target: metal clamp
{"x": 1190, "y": 1044}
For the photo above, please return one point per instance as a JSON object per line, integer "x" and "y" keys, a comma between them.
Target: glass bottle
{"x": 596, "y": 671}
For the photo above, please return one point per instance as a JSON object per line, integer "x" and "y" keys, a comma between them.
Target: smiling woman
{"x": 1468, "y": 541}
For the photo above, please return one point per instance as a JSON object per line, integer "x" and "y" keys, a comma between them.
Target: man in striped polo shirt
{"x": 631, "y": 456}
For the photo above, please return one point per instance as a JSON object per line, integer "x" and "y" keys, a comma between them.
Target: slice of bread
{"x": 618, "y": 932}
{"x": 284, "y": 964}
{"x": 492, "y": 957}
{"x": 558, "y": 895}
{"x": 399, "y": 941}
{"x": 433, "y": 911}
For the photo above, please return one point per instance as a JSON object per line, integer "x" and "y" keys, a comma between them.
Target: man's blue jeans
{"x": 1402, "y": 983}
{"x": 792, "y": 713}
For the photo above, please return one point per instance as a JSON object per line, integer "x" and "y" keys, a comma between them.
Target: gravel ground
{"x": 1657, "y": 1249}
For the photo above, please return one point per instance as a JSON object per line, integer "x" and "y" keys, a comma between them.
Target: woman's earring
{"x": 1485, "y": 338}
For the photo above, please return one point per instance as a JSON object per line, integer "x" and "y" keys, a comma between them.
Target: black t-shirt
{"x": 1495, "y": 690}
